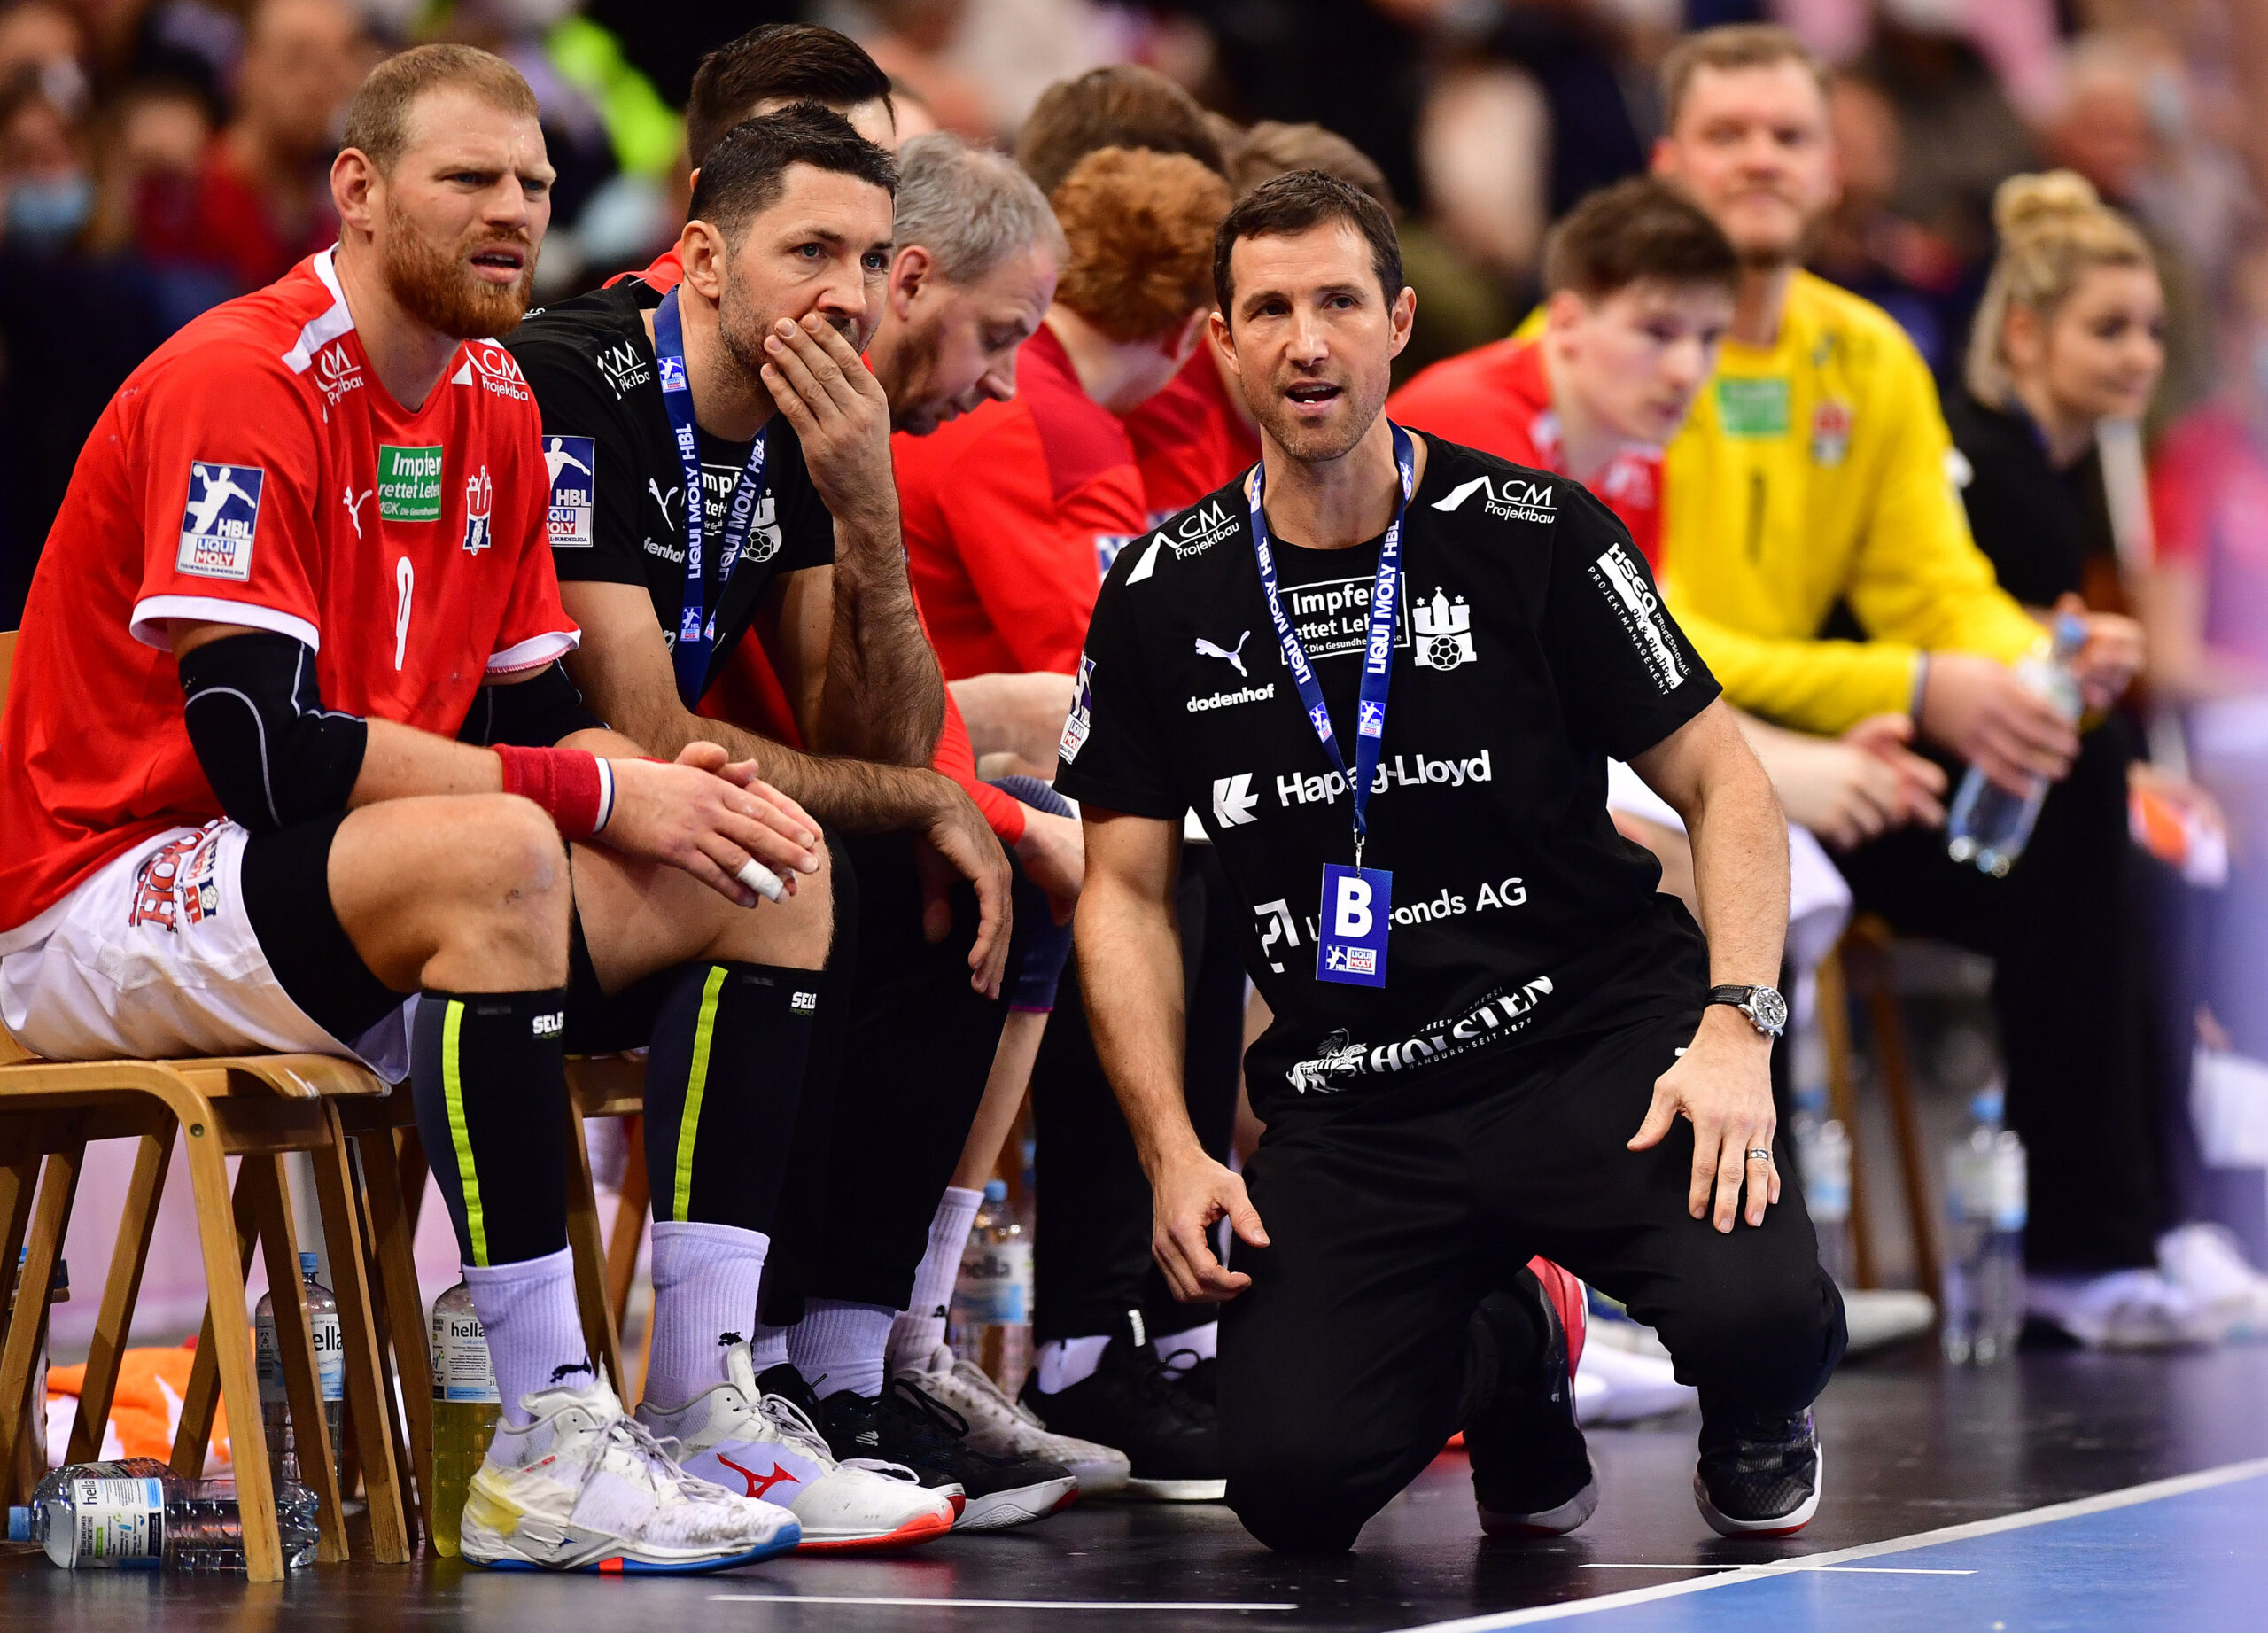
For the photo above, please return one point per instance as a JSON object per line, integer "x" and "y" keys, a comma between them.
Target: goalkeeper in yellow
{"x": 1816, "y": 552}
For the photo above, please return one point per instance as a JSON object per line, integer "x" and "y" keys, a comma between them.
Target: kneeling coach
{"x": 1387, "y": 673}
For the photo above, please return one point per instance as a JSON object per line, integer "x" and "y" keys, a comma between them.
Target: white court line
{"x": 946, "y": 1603}
{"x": 2204, "y": 1480}
{"x": 1848, "y": 1570}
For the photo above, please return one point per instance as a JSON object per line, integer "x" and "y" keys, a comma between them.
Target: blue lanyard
{"x": 1378, "y": 645}
{"x": 696, "y": 629}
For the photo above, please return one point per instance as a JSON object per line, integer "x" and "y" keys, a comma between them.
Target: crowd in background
{"x": 160, "y": 156}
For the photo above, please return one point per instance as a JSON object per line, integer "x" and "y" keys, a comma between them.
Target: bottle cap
{"x": 1989, "y": 1104}
{"x": 307, "y": 1264}
{"x": 19, "y": 1525}
{"x": 996, "y": 1190}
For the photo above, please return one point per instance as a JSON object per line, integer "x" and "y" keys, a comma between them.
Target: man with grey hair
{"x": 977, "y": 256}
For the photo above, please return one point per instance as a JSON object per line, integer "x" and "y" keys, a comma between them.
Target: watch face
{"x": 1769, "y": 1009}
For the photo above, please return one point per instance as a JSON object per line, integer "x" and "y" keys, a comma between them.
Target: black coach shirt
{"x": 617, "y": 513}
{"x": 1532, "y": 645}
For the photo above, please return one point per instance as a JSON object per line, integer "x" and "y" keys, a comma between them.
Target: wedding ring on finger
{"x": 761, "y": 879}
{"x": 1759, "y": 1156}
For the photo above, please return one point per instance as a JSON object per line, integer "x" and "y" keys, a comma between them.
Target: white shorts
{"x": 152, "y": 956}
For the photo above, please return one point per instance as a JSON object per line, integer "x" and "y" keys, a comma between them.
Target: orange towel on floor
{"x": 145, "y": 1408}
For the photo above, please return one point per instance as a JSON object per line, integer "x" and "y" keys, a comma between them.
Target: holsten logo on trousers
{"x": 1513, "y": 498}
{"x": 1337, "y": 1061}
{"x": 1403, "y": 771}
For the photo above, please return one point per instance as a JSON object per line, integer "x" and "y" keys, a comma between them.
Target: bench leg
{"x": 588, "y": 1246}
{"x": 113, "y": 1321}
{"x": 400, "y": 1311}
{"x": 295, "y": 1349}
{"x": 367, "y": 1408}
{"x": 228, "y": 1338}
{"x": 51, "y": 1214}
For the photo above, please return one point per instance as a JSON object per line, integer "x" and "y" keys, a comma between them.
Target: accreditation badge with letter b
{"x": 1357, "y": 908}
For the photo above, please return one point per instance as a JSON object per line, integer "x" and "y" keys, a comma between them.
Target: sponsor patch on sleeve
{"x": 217, "y": 522}
{"x": 573, "y": 464}
{"x": 1080, "y": 721}
{"x": 1640, "y": 610}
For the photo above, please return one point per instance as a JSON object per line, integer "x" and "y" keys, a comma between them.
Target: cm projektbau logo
{"x": 1512, "y": 498}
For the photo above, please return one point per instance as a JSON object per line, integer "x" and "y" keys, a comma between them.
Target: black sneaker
{"x": 1137, "y": 1402}
{"x": 863, "y": 1440}
{"x": 1532, "y": 1473}
{"x": 905, "y": 1426}
{"x": 1196, "y": 1374}
{"x": 1760, "y": 1472}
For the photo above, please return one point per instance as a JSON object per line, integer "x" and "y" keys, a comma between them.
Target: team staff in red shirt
{"x": 288, "y": 740}
{"x": 1012, "y": 511}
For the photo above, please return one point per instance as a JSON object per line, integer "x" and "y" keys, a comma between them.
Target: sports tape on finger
{"x": 761, "y": 879}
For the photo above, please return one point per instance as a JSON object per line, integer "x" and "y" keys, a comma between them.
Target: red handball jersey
{"x": 1011, "y": 515}
{"x": 254, "y": 470}
{"x": 1496, "y": 397}
{"x": 1192, "y": 437}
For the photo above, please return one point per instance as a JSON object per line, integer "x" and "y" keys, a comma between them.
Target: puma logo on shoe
{"x": 759, "y": 1485}
{"x": 726, "y": 1340}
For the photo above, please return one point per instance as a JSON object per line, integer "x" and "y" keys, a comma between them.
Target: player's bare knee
{"x": 515, "y": 883}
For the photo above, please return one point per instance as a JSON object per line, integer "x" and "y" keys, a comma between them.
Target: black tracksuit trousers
{"x": 899, "y": 1057}
{"x": 1345, "y": 1366}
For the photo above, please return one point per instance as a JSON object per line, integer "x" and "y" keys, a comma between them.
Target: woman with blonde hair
{"x": 2069, "y": 336}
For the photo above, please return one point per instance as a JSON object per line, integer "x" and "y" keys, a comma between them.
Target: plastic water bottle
{"x": 135, "y": 1513}
{"x": 991, "y": 1310}
{"x": 1827, "y": 1193}
{"x": 330, "y": 1369}
{"x": 1988, "y": 826}
{"x": 1987, "y": 1187}
{"x": 465, "y": 1408}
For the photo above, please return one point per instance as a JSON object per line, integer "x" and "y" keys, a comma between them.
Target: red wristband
{"x": 574, "y": 790}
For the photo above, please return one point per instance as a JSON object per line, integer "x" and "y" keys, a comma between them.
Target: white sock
{"x": 921, "y": 1326}
{"x": 839, "y": 1345}
{"x": 534, "y": 1330}
{"x": 1202, "y": 1343}
{"x": 767, "y": 1347}
{"x": 705, "y": 1283}
{"x": 1066, "y": 1361}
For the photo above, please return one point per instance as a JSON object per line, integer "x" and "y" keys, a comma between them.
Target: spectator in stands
{"x": 1011, "y": 512}
{"x": 1814, "y": 477}
{"x": 263, "y": 201}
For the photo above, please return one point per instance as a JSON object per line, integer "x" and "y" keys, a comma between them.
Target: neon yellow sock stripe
{"x": 688, "y": 1125}
{"x": 460, "y": 1136}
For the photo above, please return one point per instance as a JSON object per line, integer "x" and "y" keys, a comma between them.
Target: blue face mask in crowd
{"x": 41, "y": 214}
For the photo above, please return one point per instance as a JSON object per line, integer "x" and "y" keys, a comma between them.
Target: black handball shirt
{"x": 1531, "y": 645}
{"x": 617, "y": 511}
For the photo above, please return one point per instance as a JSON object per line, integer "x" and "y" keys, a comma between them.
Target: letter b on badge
{"x": 1357, "y": 910}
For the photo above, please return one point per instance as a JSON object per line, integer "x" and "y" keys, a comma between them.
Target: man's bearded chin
{"x": 436, "y": 286}
{"x": 744, "y": 330}
{"x": 1321, "y": 444}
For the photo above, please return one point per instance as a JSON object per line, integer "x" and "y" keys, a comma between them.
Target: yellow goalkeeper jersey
{"x": 1813, "y": 472}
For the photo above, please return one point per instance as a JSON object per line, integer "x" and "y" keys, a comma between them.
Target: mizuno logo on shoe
{"x": 759, "y": 1485}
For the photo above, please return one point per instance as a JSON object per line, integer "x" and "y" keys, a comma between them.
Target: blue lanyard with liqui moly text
{"x": 1357, "y": 901}
{"x": 696, "y": 628}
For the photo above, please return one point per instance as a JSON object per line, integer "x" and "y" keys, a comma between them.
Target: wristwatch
{"x": 1766, "y": 1009}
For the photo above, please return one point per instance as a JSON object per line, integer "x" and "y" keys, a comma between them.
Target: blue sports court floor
{"x": 2098, "y": 1493}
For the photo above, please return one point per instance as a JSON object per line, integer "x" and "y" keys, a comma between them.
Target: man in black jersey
{"x": 720, "y": 470}
{"x": 1494, "y": 1038}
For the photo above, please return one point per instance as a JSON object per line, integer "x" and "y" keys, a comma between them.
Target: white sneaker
{"x": 585, "y": 1488}
{"x": 2121, "y": 1310}
{"x": 738, "y": 1436}
{"x": 1877, "y": 1318}
{"x": 1622, "y": 1386}
{"x": 2207, "y": 1263}
{"x": 1001, "y": 1428}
